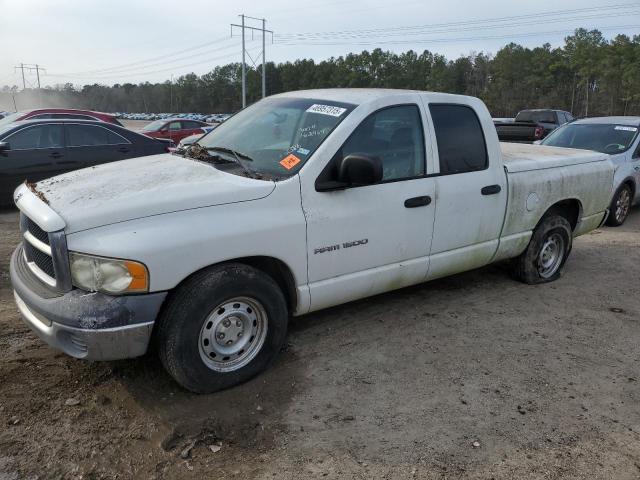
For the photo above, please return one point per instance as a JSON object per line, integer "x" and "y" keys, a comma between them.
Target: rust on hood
{"x": 40, "y": 195}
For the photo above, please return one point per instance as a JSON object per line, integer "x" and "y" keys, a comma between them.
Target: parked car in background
{"x": 174, "y": 129}
{"x": 191, "y": 139}
{"x": 531, "y": 125}
{"x": 341, "y": 201}
{"x": 32, "y": 150}
{"x": 54, "y": 113}
{"x": 617, "y": 136}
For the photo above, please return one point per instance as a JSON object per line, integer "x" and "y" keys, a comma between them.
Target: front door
{"x": 35, "y": 153}
{"x": 370, "y": 239}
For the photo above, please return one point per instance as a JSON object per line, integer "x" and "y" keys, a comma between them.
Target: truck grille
{"x": 46, "y": 254}
{"x": 43, "y": 261}
{"x": 36, "y": 231}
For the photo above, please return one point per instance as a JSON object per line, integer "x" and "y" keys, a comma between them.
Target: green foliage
{"x": 589, "y": 75}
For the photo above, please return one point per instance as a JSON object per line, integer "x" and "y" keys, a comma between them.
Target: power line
{"x": 154, "y": 64}
{"x": 136, "y": 74}
{"x": 431, "y": 31}
{"x": 444, "y": 40}
{"x": 478, "y": 22}
{"x": 160, "y": 57}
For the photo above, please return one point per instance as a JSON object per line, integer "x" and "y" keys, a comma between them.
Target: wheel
{"x": 221, "y": 327}
{"x": 620, "y": 206}
{"x": 546, "y": 253}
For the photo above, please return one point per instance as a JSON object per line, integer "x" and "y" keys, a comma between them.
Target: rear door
{"x": 93, "y": 144}
{"x": 471, "y": 189}
{"x": 174, "y": 131}
{"x": 36, "y": 152}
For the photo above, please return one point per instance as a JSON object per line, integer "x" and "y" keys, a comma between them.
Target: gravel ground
{"x": 473, "y": 376}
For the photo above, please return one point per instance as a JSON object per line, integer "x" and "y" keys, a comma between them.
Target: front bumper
{"x": 91, "y": 326}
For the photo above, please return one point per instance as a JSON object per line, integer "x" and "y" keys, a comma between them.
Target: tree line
{"x": 588, "y": 76}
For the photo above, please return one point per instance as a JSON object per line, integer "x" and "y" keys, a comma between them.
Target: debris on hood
{"x": 39, "y": 194}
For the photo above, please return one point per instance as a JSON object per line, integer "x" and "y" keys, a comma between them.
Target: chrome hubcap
{"x": 622, "y": 205}
{"x": 233, "y": 334}
{"x": 551, "y": 255}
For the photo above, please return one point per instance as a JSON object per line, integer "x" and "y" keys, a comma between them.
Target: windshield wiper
{"x": 234, "y": 152}
{"x": 237, "y": 156}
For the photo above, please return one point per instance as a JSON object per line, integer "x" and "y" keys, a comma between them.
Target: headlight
{"x": 108, "y": 275}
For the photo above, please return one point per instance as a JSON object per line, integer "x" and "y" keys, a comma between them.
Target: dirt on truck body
{"x": 472, "y": 376}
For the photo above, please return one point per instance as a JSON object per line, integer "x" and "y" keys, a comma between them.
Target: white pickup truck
{"x": 302, "y": 201}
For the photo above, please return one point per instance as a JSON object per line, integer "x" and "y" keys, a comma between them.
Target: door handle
{"x": 417, "y": 201}
{"x": 55, "y": 154}
{"x": 123, "y": 149}
{"x": 491, "y": 190}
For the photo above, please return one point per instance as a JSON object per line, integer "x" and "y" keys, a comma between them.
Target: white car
{"x": 617, "y": 136}
{"x": 305, "y": 200}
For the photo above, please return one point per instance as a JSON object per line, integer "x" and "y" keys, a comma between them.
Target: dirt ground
{"x": 474, "y": 376}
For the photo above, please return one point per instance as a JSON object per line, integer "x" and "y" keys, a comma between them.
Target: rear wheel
{"x": 620, "y": 206}
{"x": 546, "y": 253}
{"x": 221, "y": 327}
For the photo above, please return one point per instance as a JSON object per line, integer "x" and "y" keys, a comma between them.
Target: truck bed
{"x": 519, "y": 157}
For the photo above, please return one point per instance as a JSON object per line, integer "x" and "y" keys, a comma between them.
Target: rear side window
{"x": 88, "y": 136}
{"x": 190, "y": 125}
{"x": 461, "y": 144}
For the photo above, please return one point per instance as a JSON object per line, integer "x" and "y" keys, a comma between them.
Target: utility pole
{"x": 244, "y": 68}
{"x": 264, "y": 31}
{"x": 29, "y": 67}
{"x": 264, "y": 71}
{"x": 21, "y": 67}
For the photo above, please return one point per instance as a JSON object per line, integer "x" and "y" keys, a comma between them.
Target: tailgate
{"x": 516, "y": 132}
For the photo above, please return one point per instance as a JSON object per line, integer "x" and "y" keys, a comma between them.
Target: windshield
{"x": 278, "y": 135}
{"x": 157, "y": 125}
{"x": 603, "y": 138}
{"x": 12, "y": 117}
{"x": 536, "y": 116}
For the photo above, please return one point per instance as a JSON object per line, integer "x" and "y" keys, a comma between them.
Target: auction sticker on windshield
{"x": 626, "y": 129}
{"x": 326, "y": 110}
{"x": 290, "y": 161}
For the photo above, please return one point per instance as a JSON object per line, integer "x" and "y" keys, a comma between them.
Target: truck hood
{"x": 142, "y": 187}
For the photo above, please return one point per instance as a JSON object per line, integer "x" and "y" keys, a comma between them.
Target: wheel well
{"x": 277, "y": 270}
{"x": 569, "y": 209}
{"x": 632, "y": 186}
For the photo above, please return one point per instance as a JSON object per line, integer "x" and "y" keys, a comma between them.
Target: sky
{"x": 116, "y": 41}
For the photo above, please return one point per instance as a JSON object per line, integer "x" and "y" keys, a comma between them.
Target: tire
{"x": 546, "y": 253}
{"x": 221, "y": 327}
{"x": 620, "y": 206}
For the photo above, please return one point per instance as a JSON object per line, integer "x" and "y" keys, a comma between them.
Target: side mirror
{"x": 4, "y": 146}
{"x": 358, "y": 169}
{"x": 355, "y": 170}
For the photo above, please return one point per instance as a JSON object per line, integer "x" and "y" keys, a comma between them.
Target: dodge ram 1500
{"x": 301, "y": 201}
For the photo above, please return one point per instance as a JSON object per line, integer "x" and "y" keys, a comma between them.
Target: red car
{"x": 51, "y": 113}
{"x": 174, "y": 129}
